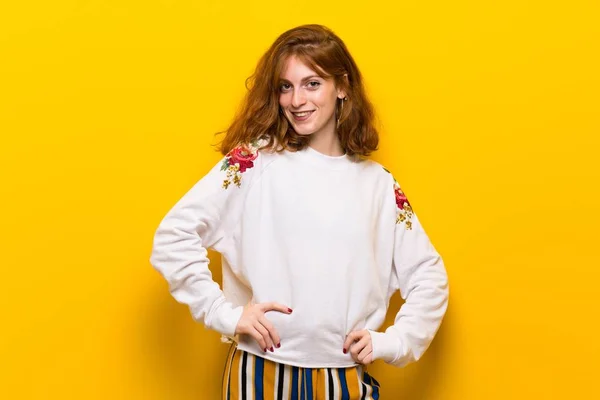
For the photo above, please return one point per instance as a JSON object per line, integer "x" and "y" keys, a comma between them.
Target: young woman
{"x": 315, "y": 238}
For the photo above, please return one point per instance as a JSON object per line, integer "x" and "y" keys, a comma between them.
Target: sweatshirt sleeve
{"x": 197, "y": 222}
{"x": 420, "y": 275}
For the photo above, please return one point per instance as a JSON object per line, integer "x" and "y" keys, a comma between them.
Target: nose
{"x": 298, "y": 98}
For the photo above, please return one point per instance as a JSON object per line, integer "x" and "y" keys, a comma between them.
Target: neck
{"x": 326, "y": 141}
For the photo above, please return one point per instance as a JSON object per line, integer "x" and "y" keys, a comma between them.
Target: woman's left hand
{"x": 360, "y": 346}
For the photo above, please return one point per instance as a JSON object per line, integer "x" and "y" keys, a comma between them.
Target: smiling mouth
{"x": 302, "y": 113}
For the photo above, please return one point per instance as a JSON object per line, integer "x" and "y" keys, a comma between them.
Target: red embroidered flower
{"x": 404, "y": 213}
{"x": 243, "y": 156}
{"x": 401, "y": 199}
{"x": 237, "y": 161}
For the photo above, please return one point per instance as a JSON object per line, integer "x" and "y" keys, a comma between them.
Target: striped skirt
{"x": 250, "y": 377}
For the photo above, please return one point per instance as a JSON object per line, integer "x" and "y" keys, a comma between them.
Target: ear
{"x": 342, "y": 93}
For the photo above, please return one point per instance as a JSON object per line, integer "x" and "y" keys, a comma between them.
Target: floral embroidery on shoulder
{"x": 237, "y": 161}
{"x": 405, "y": 211}
{"x": 403, "y": 208}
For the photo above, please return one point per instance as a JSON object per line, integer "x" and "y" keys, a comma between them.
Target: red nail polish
{"x": 289, "y": 310}
{"x": 265, "y": 350}
{"x": 344, "y": 351}
{"x": 278, "y": 345}
{"x": 272, "y": 349}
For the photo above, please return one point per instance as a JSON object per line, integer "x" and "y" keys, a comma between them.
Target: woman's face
{"x": 307, "y": 100}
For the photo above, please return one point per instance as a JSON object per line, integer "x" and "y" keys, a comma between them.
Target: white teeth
{"x": 302, "y": 114}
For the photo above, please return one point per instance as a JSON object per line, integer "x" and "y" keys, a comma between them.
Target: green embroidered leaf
{"x": 225, "y": 164}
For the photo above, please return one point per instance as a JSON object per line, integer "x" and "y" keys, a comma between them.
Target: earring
{"x": 341, "y": 109}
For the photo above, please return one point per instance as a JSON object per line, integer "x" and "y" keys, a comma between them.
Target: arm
{"x": 195, "y": 224}
{"x": 420, "y": 275}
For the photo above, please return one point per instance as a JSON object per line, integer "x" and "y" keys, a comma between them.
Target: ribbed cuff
{"x": 226, "y": 319}
{"x": 386, "y": 346}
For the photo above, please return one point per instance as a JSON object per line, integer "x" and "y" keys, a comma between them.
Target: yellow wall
{"x": 490, "y": 121}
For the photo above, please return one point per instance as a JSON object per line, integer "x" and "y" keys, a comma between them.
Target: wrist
{"x": 226, "y": 319}
{"x": 385, "y": 346}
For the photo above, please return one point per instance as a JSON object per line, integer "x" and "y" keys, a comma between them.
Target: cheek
{"x": 323, "y": 99}
{"x": 284, "y": 100}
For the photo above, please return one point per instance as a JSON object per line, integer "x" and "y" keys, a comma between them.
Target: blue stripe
{"x": 303, "y": 385}
{"x": 375, "y": 392}
{"x": 309, "y": 383}
{"x": 367, "y": 378}
{"x": 371, "y": 382}
{"x": 375, "y": 381}
{"x": 343, "y": 383}
{"x": 259, "y": 365}
{"x": 294, "y": 383}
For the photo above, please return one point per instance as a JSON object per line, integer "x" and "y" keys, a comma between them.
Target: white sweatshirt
{"x": 329, "y": 237}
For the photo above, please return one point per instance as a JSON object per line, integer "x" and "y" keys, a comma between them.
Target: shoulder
{"x": 246, "y": 160}
{"x": 404, "y": 211}
{"x": 378, "y": 172}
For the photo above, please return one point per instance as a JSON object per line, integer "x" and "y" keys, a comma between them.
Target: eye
{"x": 316, "y": 84}
{"x": 284, "y": 86}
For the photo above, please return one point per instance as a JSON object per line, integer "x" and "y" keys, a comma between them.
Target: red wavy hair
{"x": 261, "y": 116}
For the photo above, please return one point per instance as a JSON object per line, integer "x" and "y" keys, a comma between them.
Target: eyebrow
{"x": 303, "y": 79}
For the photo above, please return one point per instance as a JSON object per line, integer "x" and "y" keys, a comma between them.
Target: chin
{"x": 303, "y": 131}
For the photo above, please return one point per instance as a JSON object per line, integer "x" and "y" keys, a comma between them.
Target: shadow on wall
{"x": 415, "y": 380}
{"x": 186, "y": 356}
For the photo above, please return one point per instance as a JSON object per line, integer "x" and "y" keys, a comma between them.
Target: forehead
{"x": 294, "y": 69}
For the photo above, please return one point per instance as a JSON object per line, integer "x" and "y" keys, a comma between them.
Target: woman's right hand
{"x": 254, "y": 323}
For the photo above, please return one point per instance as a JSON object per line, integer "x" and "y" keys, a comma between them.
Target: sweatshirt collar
{"x": 333, "y": 162}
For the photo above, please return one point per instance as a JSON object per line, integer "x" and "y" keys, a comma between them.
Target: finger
{"x": 272, "y": 332}
{"x": 357, "y": 347}
{"x": 265, "y": 334}
{"x": 272, "y": 306}
{"x": 361, "y": 344}
{"x": 366, "y": 352}
{"x": 351, "y": 338}
{"x": 258, "y": 337}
